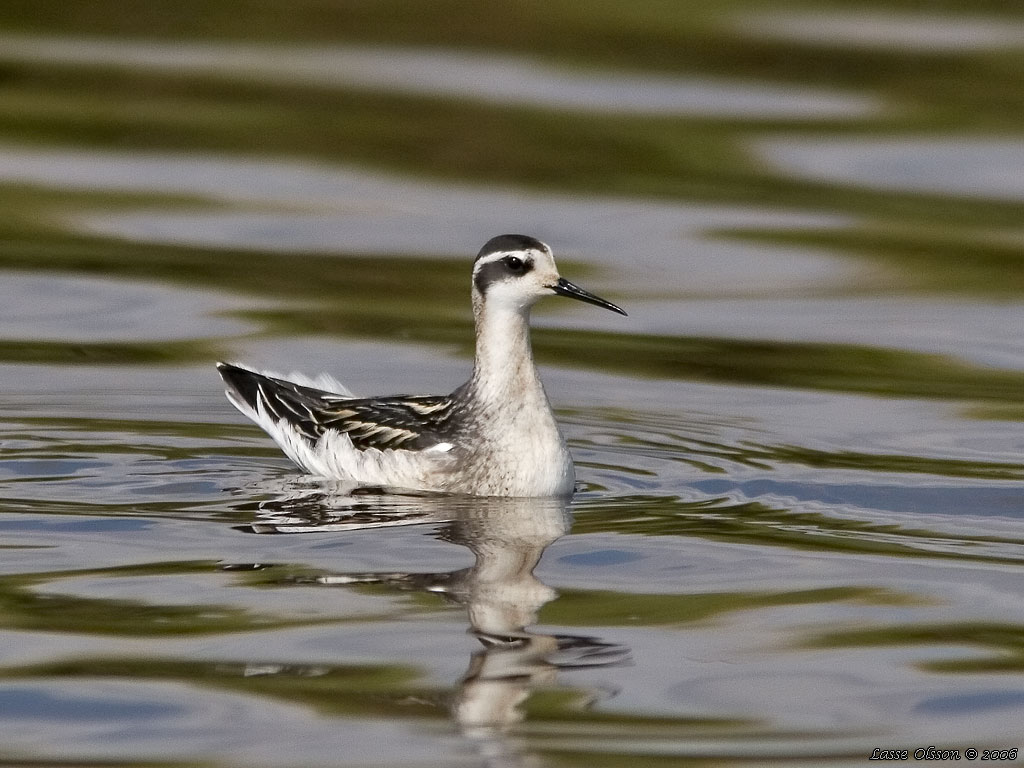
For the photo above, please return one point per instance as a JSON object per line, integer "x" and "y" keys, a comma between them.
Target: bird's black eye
{"x": 515, "y": 264}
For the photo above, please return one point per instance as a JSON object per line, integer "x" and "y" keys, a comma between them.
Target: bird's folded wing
{"x": 408, "y": 422}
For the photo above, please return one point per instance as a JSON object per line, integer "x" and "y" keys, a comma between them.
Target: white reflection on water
{"x": 98, "y": 719}
{"x": 982, "y": 332}
{"x": 502, "y": 80}
{"x": 959, "y": 166}
{"x": 655, "y": 253}
{"x": 332, "y": 210}
{"x": 919, "y": 32}
{"x": 53, "y": 306}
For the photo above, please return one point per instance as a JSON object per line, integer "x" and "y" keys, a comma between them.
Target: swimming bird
{"x": 494, "y": 436}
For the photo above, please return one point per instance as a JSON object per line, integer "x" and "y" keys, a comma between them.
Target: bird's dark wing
{"x": 411, "y": 423}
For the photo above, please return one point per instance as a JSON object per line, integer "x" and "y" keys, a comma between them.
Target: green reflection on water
{"x": 678, "y": 36}
{"x": 331, "y": 689}
{"x": 411, "y": 134}
{"x": 940, "y": 259}
{"x": 754, "y": 522}
{"x": 997, "y": 411}
{"x": 107, "y": 353}
{"x": 423, "y": 299}
{"x": 382, "y": 690}
{"x": 605, "y": 608}
{"x": 697, "y": 158}
{"x": 801, "y": 365}
{"x": 26, "y": 604}
{"x": 1003, "y": 643}
{"x": 310, "y": 277}
{"x": 670, "y": 437}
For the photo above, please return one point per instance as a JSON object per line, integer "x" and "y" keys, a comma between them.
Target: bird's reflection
{"x": 500, "y": 592}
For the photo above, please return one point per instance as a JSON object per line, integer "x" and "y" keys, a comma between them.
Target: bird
{"x": 495, "y": 435}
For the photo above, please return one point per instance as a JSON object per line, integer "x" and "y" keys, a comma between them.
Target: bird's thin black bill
{"x": 564, "y": 288}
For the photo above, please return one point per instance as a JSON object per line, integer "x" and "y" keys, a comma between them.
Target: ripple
{"x": 922, "y": 32}
{"x": 53, "y": 306}
{"x": 987, "y": 168}
{"x": 492, "y": 78}
{"x": 370, "y": 213}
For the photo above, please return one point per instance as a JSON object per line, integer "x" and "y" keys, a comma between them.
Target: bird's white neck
{"x": 515, "y": 426}
{"x": 503, "y": 371}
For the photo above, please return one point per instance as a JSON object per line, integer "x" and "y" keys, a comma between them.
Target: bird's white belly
{"x": 517, "y": 459}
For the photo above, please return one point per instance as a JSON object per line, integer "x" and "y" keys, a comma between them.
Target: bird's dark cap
{"x": 510, "y": 243}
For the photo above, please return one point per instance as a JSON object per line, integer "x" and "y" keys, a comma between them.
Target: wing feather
{"x": 398, "y": 422}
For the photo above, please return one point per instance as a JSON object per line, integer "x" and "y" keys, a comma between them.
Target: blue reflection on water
{"x": 999, "y": 500}
{"x": 601, "y": 557}
{"x": 966, "y": 703}
{"x": 87, "y": 525}
{"x": 31, "y": 704}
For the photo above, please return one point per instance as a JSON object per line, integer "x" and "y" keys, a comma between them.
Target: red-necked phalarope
{"x": 493, "y": 436}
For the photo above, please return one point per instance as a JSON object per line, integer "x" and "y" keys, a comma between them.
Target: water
{"x": 799, "y": 533}
{"x": 489, "y": 78}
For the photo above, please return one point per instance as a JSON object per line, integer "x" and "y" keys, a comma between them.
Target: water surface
{"x": 799, "y": 529}
{"x": 494, "y": 79}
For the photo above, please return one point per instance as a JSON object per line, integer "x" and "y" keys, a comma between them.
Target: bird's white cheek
{"x": 510, "y": 296}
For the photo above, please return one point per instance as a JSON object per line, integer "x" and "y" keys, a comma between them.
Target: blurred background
{"x": 799, "y": 530}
